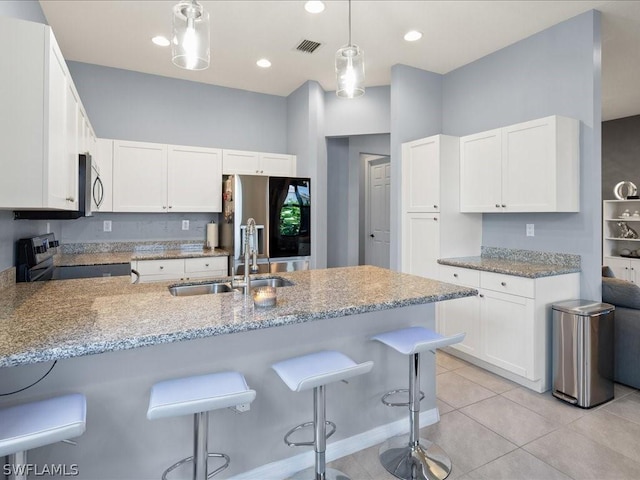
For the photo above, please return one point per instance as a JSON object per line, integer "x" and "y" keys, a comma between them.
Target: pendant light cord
{"x": 349, "y": 22}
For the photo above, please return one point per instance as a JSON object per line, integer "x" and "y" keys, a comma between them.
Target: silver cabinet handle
{"x": 435, "y": 219}
{"x": 503, "y": 206}
{"x": 435, "y": 206}
{"x": 504, "y": 284}
{"x": 481, "y": 295}
{"x": 206, "y": 264}
{"x": 164, "y": 207}
{"x": 135, "y": 272}
{"x": 161, "y": 267}
{"x": 455, "y": 275}
{"x": 170, "y": 206}
{"x": 497, "y": 205}
{"x": 70, "y": 199}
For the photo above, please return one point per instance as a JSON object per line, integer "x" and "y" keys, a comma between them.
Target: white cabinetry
{"x": 194, "y": 179}
{"x": 508, "y": 323}
{"x": 432, "y": 225}
{"x": 151, "y": 177}
{"x": 38, "y": 129}
{"x": 239, "y": 162}
{"x": 139, "y": 177}
{"x": 180, "y": 269}
{"x": 621, "y": 254}
{"x": 528, "y": 167}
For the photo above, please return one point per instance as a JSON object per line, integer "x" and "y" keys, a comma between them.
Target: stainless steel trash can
{"x": 583, "y": 352}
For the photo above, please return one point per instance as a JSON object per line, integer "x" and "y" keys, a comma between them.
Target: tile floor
{"x": 494, "y": 429}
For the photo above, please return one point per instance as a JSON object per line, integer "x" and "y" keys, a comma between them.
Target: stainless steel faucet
{"x": 250, "y": 252}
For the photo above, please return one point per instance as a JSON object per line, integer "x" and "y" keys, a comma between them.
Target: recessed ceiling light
{"x": 161, "y": 41}
{"x": 264, "y": 63}
{"x": 314, "y": 7}
{"x": 412, "y": 36}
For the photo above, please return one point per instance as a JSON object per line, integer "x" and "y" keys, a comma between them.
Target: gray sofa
{"x": 625, "y": 296}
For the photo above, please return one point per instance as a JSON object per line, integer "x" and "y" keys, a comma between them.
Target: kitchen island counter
{"x": 53, "y": 320}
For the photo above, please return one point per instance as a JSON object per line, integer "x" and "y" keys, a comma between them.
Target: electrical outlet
{"x": 106, "y": 226}
{"x": 185, "y": 224}
{"x": 530, "y": 230}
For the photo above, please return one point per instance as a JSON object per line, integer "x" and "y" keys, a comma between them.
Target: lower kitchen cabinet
{"x": 508, "y": 325}
{"x": 179, "y": 269}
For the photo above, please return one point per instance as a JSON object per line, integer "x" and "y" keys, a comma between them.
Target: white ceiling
{"x": 118, "y": 33}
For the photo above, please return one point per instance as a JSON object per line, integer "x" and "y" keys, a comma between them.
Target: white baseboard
{"x": 347, "y": 446}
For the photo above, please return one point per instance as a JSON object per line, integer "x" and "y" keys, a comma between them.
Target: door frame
{"x": 370, "y": 159}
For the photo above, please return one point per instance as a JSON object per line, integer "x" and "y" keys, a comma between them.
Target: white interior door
{"x": 377, "y": 244}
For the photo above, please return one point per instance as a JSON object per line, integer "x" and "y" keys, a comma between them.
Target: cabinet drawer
{"x": 498, "y": 282}
{"x": 460, "y": 276}
{"x": 161, "y": 267}
{"x": 208, "y": 264}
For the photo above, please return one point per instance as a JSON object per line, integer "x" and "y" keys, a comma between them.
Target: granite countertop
{"x": 105, "y": 258}
{"x": 521, "y": 263}
{"x": 44, "y": 321}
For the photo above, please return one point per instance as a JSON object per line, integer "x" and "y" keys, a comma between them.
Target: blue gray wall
{"x": 137, "y": 106}
{"x": 556, "y": 71}
{"x": 360, "y": 116}
{"x": 337, "y": 201}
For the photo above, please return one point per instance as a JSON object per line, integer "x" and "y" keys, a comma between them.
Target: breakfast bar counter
{"x": 44, "y": 321}
{"x": 112, "y": 340}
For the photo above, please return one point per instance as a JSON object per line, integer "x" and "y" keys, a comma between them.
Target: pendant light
{"x": 350, "y": 68}
{"x": 190, "y": 42}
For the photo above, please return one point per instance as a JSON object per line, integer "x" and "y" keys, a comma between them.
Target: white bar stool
{"x": 198, "y": 395}
{"x": 40, "y": 423}
{"x": 316, "y": 370}
{"x": 409, "y": 456}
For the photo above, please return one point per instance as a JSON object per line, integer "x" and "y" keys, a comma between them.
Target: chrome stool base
{"x": 310, "y": 474}
{"x": 425, "y": 461}
{"x": 184, "y": 461}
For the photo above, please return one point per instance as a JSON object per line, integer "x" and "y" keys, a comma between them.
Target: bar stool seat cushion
{"x": 320, "y": 368}
{"x": 199, "y": 393}
{"x": 40, "y": 423}
{"x": 411, "y": 340}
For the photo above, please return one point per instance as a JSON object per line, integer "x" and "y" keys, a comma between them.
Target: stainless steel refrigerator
{"x": 281, "y": 207}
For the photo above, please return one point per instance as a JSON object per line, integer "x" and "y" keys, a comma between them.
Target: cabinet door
{"x": 621, "y": 267}
{"x": 194, "y": 179}
{"x": 421, "y": 175}
{"x": 277, "y": 165}
{"x": 61, "y": 160}
{"x": 139, "y": 177}
{"x": 507, "y": 331}
{"x": 461, "y": 315}
{"x": 240, "y": 162}
{"x": 481, "y": 172}
{"x": 421, "y": 244}
{"x": 529, "y": 166}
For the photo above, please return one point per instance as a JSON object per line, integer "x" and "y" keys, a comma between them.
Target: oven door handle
{"x": 135, "y": 272}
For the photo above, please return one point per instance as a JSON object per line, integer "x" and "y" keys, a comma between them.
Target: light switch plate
{"x": 530, "y": 230}
{"x": 106, "y": 226}
{"x": 185, "y": 224}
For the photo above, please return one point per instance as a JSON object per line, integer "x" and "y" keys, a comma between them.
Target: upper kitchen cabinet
{"x": 238, "y": 162}
{"x": 528, "y": 167}
{"x": 38, "y": 133}
{"x": 421, "y": 175}
{"x": 194, "y": 179}
{"x": 151, "y": 177}
{"x": 102, "y": 176}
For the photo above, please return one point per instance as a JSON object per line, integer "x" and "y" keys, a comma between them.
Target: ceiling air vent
{"x": 308, "y": 46}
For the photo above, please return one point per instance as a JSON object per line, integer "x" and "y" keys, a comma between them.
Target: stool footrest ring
{"x": 398, "y": 404}
{"x": 306, "y": 425}
{"x": 227, "y": 460}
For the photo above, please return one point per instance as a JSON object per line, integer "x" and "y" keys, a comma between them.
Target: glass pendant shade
{"x": 350, "y": 72}
{"x": 190, "y": 41}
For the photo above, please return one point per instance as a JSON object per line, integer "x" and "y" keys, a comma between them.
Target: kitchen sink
{"x": 183, "y": 290}
{"x": 199, "y": 289}
{"x": 270, "y": 282}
